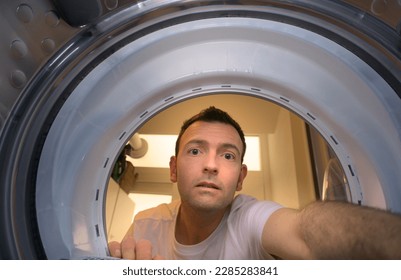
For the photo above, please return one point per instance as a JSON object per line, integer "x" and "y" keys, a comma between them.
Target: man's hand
{"x": 132, "y": 250}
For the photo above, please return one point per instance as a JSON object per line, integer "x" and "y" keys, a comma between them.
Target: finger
{"x": 115, "y": 249}
{"x": 128, "y": 248}
{"x": 158, "y": 257}
{"x": 143, "y": 250}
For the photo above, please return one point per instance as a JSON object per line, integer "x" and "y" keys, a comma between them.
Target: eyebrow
{"x": 204, "y": 143}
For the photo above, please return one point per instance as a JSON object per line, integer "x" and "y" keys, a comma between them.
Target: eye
{"x": 194, "y": 152}
{"x": 229, "y": 156}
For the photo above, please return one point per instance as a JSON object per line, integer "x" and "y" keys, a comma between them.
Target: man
{"x": 210, "y": 222}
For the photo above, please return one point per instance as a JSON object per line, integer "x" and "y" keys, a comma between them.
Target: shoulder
{"x": 161, "y": 212}
{"x": 243, "y": 202}
{"x": 252, "y": 212}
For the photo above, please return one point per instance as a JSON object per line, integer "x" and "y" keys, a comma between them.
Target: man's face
{"x": 208, "y": 168}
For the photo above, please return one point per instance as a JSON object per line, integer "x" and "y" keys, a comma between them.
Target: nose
{"x": 210, "y": 165}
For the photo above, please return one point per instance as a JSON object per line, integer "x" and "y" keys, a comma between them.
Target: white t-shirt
{"x": 238, "y": 235}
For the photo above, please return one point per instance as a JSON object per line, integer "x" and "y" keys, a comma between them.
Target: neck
{"x": 193, "y": 226}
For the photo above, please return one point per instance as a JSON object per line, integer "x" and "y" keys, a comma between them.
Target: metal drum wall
{"x": 65, "y": 111}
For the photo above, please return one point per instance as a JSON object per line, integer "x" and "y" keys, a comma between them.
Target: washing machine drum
{"x": 334, "y": 64}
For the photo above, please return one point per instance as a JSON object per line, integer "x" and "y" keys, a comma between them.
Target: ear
{"x": 242, "y": 175}
{"x": 173, "y": 169}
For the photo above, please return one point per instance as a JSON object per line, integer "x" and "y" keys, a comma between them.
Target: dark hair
{"x": 212, "y": 114}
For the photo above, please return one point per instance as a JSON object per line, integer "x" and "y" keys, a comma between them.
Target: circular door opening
{"x": 288, "y": 161}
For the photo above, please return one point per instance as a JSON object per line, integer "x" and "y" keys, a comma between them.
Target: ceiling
{"x": 255, "y": 115}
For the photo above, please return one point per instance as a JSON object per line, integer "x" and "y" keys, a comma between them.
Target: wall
{"x": 290, "y": 180}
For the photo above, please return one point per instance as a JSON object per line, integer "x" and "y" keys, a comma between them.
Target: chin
{"x": 210, "y": 206}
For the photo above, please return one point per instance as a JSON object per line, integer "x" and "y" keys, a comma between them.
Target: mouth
{"x": 207, "y": 185}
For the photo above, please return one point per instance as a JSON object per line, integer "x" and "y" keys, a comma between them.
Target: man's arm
{"x": 333, "y": 230}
